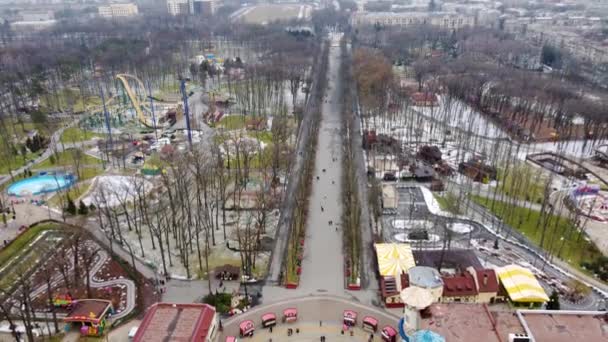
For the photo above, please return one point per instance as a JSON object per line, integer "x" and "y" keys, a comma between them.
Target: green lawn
{"x": 232, "y": 122}
{"x": 68, "y": 98}
{"x": 66, "y": 158}
{"x": 75, "y": 134}
{"x": 7, "y": 253}
{"x": 522, "y": 182}
{"x": 74, "y": 193}
{"x": 448, "y": 203}
{"x": 576, "y": 248}
{"x": 263, "y": 136}
{"x": 15, "y": 162}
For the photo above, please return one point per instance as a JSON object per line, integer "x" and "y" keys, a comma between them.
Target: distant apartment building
{"x": 118, "y": 10}
{"x": 33, "y": 21}
{"x": 204, "y": 7}
{"x": 447, "y": 20}
{"x": 178, "y": 7}
{"x": 564, "y": 32}
{"x": 194, "y": 7}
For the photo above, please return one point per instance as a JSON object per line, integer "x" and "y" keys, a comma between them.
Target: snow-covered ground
{"x": 412, "y": 224}
{"x": 460, "y": 228}
{"x": 218, "y": 256}
{"x": 432, "y": 203}
{"x": 466, "y": 118}
{"x": 112, "y": 190}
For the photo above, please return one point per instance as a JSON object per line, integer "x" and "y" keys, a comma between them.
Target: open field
{"x": 75, "y": 134}
{"x": 66, "y": 158}
{"x": 69, "y": 99}
{"x": 263, "y": 14}
{"x": 232, "y": 122}
{"x": 574, "y": 248}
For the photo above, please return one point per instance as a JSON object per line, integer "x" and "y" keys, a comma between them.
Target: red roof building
{"x": 459, "y": 288}
{"x": 424, "y": 99}
{"x": 487, "y": 284}
{"x": 391, "y": 291}
{"x": 178, "y": 322}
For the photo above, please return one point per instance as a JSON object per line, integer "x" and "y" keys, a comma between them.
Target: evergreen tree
{"x": 553, "y": 303}
{"x": 71, "y": 209}
{"x": 83, "y": 209}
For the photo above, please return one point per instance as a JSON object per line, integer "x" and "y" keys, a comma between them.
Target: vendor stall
{"x": 246, "y": 328}
{"x": 389, "y": 334}
{"x": 370, "y": 324}
{"x": 89, "y": 316}
{"x": 290, "y": 315}
{"x": 269, "y": 320}
{"x": 350, "y": 318}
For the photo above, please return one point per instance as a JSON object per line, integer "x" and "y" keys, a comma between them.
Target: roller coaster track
{"x": 123, "y": 78}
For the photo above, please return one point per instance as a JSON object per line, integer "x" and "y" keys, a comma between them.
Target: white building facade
{"x": 118, "y": 10}
{"x": 447, "y": 20}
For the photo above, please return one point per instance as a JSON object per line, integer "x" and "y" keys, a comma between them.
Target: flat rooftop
{"x": 473, "y": 322}
{"x": 175, "y": 322}
{"x": 567, "y": 327}
{"x": 462, "y": 322}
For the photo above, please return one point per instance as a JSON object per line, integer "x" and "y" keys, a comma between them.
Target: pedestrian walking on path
{"x": 322, "y": 209}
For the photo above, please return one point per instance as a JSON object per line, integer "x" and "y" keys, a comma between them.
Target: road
{"x": 283, "y": 227}
{"x": 322, "y": 266}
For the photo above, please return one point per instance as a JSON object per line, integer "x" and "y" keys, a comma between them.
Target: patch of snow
{"x": 460, "y": 228}
{"x": 113, "y": 190}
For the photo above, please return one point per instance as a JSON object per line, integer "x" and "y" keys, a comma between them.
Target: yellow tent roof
{"x": 521, "y": 285}
{"x": 394, "y": 258}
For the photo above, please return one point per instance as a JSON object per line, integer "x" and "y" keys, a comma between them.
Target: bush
{"x": 71, "y": 208}
{"x": 83, "y": 209}
{"x": 221, "y": 301}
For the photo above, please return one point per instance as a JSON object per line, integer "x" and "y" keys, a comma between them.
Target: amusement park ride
{"x": 145, "y": 112}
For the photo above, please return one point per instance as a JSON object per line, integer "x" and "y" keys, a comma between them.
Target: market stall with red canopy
{"x": 389, "y": 334}
{"x": 350, "y": 318}
{"x": 290, "y": 315}
{"x": 370, "y": 324}
{"x": 269, "y": 320}
{"x": 247, "y": 328}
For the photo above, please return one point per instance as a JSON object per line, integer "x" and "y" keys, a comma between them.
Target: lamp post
{"x": 186, "y": 110}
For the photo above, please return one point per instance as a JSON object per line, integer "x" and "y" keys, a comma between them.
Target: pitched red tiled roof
{"x": 459, "y": 285}
{"x": 487, "y": 281}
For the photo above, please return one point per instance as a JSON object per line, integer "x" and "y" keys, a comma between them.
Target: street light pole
{"x": 152, "y": 109}
{"x": 186, "y": 110}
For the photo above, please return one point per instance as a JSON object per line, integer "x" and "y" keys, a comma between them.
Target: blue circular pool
{"x": 41, "y": 184}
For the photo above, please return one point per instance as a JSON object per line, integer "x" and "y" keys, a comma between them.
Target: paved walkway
{"x": 322, "y": 267}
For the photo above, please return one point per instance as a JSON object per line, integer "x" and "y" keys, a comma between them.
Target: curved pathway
{"x": 99, "y": 263}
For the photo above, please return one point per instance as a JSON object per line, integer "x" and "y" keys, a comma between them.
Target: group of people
{"x": 330, "y": 222}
